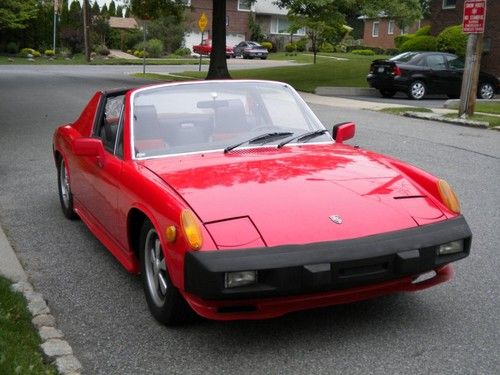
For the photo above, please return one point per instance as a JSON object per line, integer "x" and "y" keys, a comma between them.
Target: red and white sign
{"x": 474, "y": 16}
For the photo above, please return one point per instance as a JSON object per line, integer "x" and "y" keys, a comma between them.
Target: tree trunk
{"x": 218, "y": 63}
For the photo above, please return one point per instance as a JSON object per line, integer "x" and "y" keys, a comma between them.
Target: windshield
{"x": 202, "y": 116}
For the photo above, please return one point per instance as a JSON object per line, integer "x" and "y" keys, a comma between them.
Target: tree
{"x": 104, "y": 11}
{"x": 218, "y": 64}
{"x": 119, "y": 11}
{"x": 405, "y": 12}
{"x": 16, "y": 14}
{"x": 322, "y": 19}
{"x": 112, "y": 9}
{"x": 95, "y": 10}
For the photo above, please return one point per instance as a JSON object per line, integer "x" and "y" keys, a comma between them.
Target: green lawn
{"x": 19, "y": 342}
{"x": 493, "y": 107}
{"x": 326, "y": 72}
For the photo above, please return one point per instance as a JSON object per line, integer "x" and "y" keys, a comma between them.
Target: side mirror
{"x": 88, "y": 147}
{"x": 343, "y": 131}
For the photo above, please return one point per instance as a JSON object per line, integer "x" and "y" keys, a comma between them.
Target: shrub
{"x": 130, "y": 52}
{"x": 400, "y": 39}
{"x": 273, "y": 45}
{"x": 155, "y": 48}
{"x": 267, "y": 45}
{"x": 102, "y": 50}
{"x": 290, "y": 47}
{"x": 142, "y": 54}
{"x": 341, "y": 48}
{"x": 12, "y": 48}
{"x": 326, "y": 47}
{"x": 363, "y": 52}
{"x": 392, "y": 51}
{"x": 136, "y": 53}
{"x": 420, "y": 43}
{"x": 183, "y": 51}
{"x": 426, "y": 30}
{"x": 26, "y": 52}
{"x": 301, "y": 44}
{"x": 49, "y": 52}
{"x": 453, "y": 40}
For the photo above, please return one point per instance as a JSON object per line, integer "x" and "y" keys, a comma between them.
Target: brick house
{"x": 450, "y": 12}
{"x": 272, "y": 20}
{"x": 380, "y": 32}
{"x": 237, "y": 12}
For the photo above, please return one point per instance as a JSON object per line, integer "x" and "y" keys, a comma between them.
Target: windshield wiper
{"x": 263, "y": 138}
{"x": 303, "y": 136}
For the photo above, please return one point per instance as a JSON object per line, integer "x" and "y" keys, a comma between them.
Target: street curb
{"x": 54, "y": 348}
{"x": 345, "y": 91}
{"x": 455, "y": 121}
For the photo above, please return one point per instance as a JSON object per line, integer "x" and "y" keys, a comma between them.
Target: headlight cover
{"x": 191, "y": 229}
{"x": 448, "y": 196}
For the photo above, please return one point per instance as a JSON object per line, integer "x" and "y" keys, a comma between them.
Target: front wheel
{"x": 164, "y": 300}
{"x": 486, "y": 91}
{"x": 65, "y": 195}
{"x": 417, "y": 90}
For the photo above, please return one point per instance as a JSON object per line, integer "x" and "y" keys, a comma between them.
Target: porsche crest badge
{"x": 336, "y": 219}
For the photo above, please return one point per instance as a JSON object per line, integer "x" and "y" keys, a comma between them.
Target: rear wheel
{"x": 486, "y": 91}
{"x": 417, "y": 90}
{"x": 387, "y": 93}
{"x": 164, "y": 300}
{"x": 65, "y": 195}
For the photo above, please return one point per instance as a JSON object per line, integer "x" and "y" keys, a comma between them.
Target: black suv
{"x": 421, "y": 73}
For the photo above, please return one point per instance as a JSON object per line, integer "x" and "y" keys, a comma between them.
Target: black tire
{"x": 387, "y": 93}
{"x": 166, "y": 304}
{"x": 417, "y": 90}
{"x": 486, "y": 90}
{"x": 263, "y": 58}
{"x": 64, "y": 188}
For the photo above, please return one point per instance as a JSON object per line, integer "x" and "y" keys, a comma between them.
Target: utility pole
{"x": 473, "y": 24}
{"x": 85, "y": 30}
{"x": 56, "y": 6}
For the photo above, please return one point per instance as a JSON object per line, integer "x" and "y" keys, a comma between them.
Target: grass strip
{"x": 493, "y": 121}
{"x": 80, "y": 60}
{"x": 19, "y": 341}
{"x": 493, "y": 107}
{"x": 401, "y": 110}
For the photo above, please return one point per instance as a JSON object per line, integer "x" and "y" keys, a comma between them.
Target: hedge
{"x": 420, "y": 43}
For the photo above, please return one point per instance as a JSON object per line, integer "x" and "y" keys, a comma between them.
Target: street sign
{"x": 202, "y": 22}
{"x": 474, "y": 16}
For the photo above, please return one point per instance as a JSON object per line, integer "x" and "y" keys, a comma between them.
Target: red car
{"x": 233, "y": 201}
{"x": 205, "y": 48}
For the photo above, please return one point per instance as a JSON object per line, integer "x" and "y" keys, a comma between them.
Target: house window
{"x": 280, "y": 25}
{"x": 449, "y": 4}
{"x": 390, "y": 27}
{"x": 375, "y": 29}
{"x": 245, "y": 5}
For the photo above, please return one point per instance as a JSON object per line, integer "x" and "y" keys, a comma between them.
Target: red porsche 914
{"x": 233, "y": 201}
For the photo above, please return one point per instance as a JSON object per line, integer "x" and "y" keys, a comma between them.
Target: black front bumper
{"x": 299, "y": 269}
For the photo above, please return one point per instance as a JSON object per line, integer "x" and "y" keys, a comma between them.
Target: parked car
{"x": 420, "y": 73}
{"x": 205, "y": 48}
{"x": 249, "y": 50}
{"x": 233, "y": 201}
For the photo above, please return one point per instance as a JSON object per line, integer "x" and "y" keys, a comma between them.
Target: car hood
{"x": 295, "y": 194}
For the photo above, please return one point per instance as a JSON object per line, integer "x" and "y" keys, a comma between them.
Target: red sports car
{"x": 233, "y": 201}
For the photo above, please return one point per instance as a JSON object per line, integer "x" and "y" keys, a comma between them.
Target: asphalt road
{"x": 450, "y": 329}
